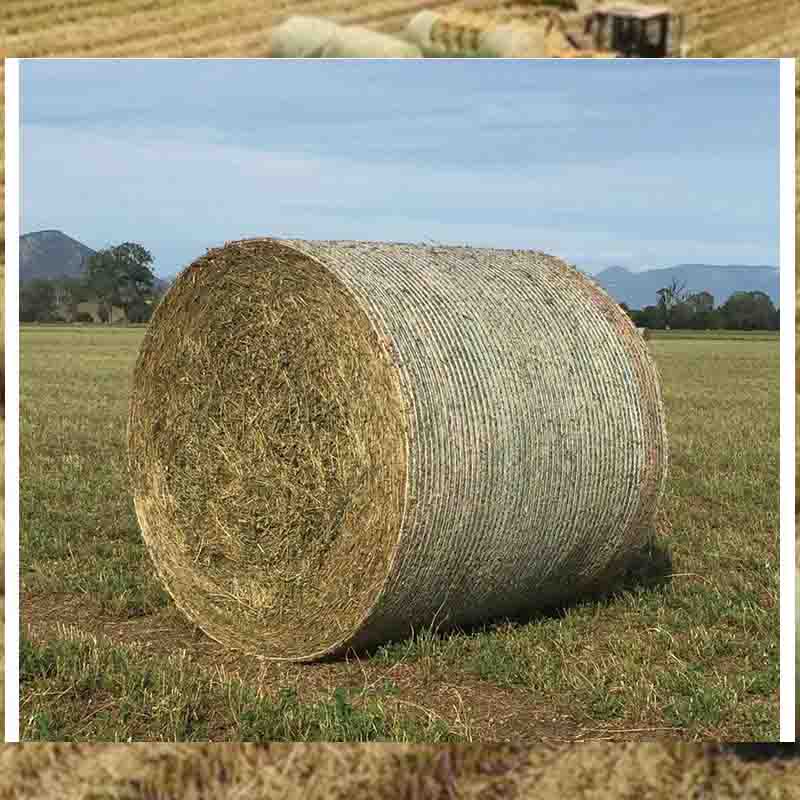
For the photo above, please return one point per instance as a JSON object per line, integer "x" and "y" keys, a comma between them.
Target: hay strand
{"x": 334, "y": 443}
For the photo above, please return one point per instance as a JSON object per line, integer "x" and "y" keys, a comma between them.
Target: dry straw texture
{"x": 334, "y": 443}
{"x": 598, "y": 771}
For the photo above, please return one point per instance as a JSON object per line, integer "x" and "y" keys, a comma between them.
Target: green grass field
{"x": 687, "y": 648}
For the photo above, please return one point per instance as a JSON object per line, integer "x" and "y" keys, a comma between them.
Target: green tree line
{"x": 119, "y": 277}
{"x": 122, "y": 277}
{"x": 675, "y": 308}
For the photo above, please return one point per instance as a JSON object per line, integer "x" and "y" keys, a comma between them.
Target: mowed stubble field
{"x": 688, "y": 648}
{"x": 241, "y": 27}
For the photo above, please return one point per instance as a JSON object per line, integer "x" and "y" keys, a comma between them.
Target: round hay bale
{"x": 508, "y": 41}
{"x": 357, "y": 42}
{"x": 474, "y": 34}
{"x": 332, "y": 444}
{"x": 313, "y": 37}
{"x": 301, "y": 37}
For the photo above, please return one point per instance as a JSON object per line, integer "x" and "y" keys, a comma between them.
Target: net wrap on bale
{"x": 333, "y": 444}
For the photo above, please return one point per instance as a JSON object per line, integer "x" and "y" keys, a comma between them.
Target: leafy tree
{"x": 101, "y": 278}
{"x": 750, "y": 311}
{"x": 69, "y": 292}
{"x": 37, "y": 302}
{"x": 701, "y": 302}
{"x": 709, "y": 320}
{"x": 650, "y": 317}
{"x": 140, "y": 312}
{"x": 668, "y": 298}
{"x": 121, "y": 276}
{"x": 682, "y": 316}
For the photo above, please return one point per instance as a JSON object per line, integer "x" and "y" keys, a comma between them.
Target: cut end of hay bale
{"x": 267, "y": 439}
{"x": 334, "y": 443}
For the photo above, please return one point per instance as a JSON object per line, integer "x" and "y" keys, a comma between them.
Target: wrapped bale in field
{"x": 465, "y": 34}
{"x": 353, "y": 41}
{"x": 334, "y": 443}
{"x": 301, "y": 37}
{"x": 312, "y": 37}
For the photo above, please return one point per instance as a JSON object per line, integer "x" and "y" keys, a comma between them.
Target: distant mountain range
{"x": 53, "y": 254}
{"x": 638, "y": 289}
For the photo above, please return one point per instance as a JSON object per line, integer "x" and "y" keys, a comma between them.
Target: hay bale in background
{"x": 507, "y": 41}
{"x": 313, "y": 37}
{"x": 353, "y": 41}
{"x": 332, "y": 443}
{"x": 301, "y": 37}
{"x": 474, "y": 35}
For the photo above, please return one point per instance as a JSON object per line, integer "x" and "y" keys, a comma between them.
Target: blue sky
{"x": 641, "y": 164}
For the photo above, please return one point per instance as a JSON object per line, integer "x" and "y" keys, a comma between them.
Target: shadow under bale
{"x": 761, "y": 751}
